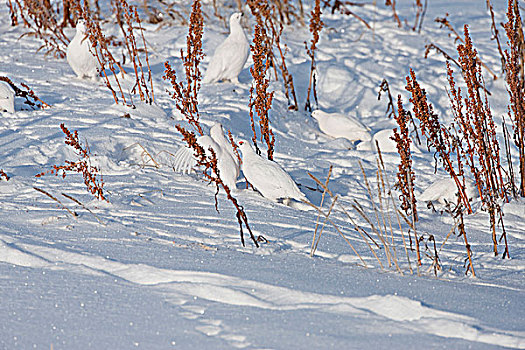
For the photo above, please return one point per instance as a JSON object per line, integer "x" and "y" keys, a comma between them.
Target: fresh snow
{"x": 159, "y": 268}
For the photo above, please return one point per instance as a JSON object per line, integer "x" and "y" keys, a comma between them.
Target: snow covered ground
{"x": 158, "y": 268}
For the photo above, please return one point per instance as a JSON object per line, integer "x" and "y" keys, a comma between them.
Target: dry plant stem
{"x": 462, "y": 232}
{"x": 356, "y": 227}
{"x": 384, "y": 87}
{"x": 431, "y": 46}
{"x": 316, "y": 25}
{"x": 392, "y": 3}
{"x": 261, "y": 102}
{"x": 143, "y": 154}
{"x": 511, "y": 177}
{"x": 379, "y": 232}
{"x": 320, "y": 205}
{"x": 435, "y": 133}
{"x": 341, "y": 7}
{"x": 389, "y": 188}
{"x": 314, "y": 247}
{"x": 381, "y": 189}
{"x": 73, "y": 214}
{"x": 3, "y": 175}
{"x": 338, "y": 230}
{"x": 445, "y": 23}
{"x": 515, "y": 71}
{"x": 83, "y": 206}
{"x": 495, "y": 34}
{"x": 30, "y": 97}
{"x": 185, "y": 95}
{"x": 83, "y": 166}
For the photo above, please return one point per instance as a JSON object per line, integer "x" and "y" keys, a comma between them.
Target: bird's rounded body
{"x": 339, "y": 125}
{"x": 227, "y": 165}
{"x": 230, "y": 56}
{"x": 7, "y": 97}
{"x": 268, "y": 177}
{"x": 79, "y": 56}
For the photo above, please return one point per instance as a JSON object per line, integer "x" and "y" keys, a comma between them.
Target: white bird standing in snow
{"x": 386, "y": 144}
{"x": 7, "y": 97}
{"x": 445, "y": 191}
{"x": 268, "y": 177}
{"x": 230, "y": 56}
{"x": 341, "y": 125}
{"x": 79, "y": 57}
{"x": 227, "y": 162}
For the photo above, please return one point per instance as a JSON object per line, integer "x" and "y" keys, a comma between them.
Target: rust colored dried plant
{"x": 265, "y": 14}
{"x": 41, "y": 19}
{"x": 390, "y": 108}
{"x": 515, "y": 67}
{"x": 342, "y": 7}
{"x": 3, "y": 175}
{"x": 209, "y": 163}
{"x": 91, "y": 174}
{"x": 405, "y": 173}
{"x": 31, "y": 99}
{"x": 260, "y": 97}
{"x": 128, "y": 19}
{"x": 392, "y": 4}
{"x": 316, "y": 25}
{"x": 457, "y": 38}
{"x": 479, "y": 146}
{"x": 185, "y": 95}
{"x": 420, "y": 14}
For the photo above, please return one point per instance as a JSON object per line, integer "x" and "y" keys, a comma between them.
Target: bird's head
{"x": 236, "y": 18}
{"x": 316, "y": 114}
{"x": 81, "y": 25}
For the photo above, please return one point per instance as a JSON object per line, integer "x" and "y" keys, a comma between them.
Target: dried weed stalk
{"x": 514, "y": 68}
{"x": 185, "y": 93}
{"x": 31, "y": 99}
{"x": 392, "y": 4}
{"x": 445, "y": 23}
{"x": 437, "y": 135}
{"x": 405, "y": 174}
{"x": 260, "y": 97}
{"x": 478, "y": 145}
{"x": 128, "y": 19}
{"x": 91, "y": 174}
{"x": 41, "y": 19}
{"x": 3, "y": 175}
{"x": 185, "y": 96}
{"x": 265, "y": 14}
{"x": 316, "y": 25}
{"x": 390, "y": 108}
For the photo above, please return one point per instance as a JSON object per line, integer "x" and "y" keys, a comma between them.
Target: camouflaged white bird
{"x": 230, "y": 56}
{"x": 385, "y": 141}
{"x": 445, "y": 191}
{"x": 341, "y": 125}
{"x": 268, "y": 177}
{"x": 227, "y": 162}
{"x": 7, "y": 97}
{"x": 79, "y": 57}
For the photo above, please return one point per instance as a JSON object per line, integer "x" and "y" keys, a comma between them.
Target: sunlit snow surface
{"x": 158, "y": 268}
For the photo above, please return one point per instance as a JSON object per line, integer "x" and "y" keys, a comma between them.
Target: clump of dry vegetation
{"x": 31, "y": 99}
{"x": 185, "y": 96}
{"x": 91, "y": 174}
{"x": 316, "y": 25}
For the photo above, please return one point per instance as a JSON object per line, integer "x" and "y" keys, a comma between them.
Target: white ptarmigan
{"x": 230, "y": 56}
{"x": 268, "y": 177}
{"x": 445, "y": 191}
{"x": 386, "y": 144}
{"x": 227, "y": 163}
{"x": 7, "y": 98}
{"x": 341, "y": 125}
{"x": 79, "y": 57}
